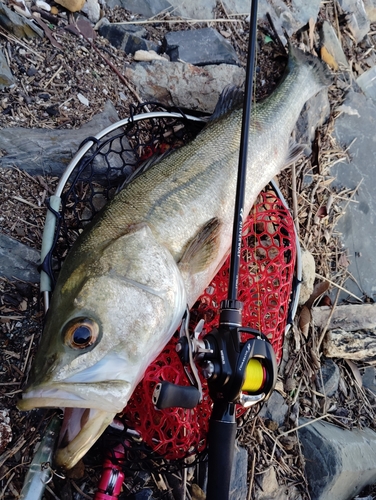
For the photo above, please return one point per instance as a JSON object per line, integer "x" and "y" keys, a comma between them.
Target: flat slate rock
{"x": 18, "y": 260}
{"x": 199, "y": 47}
{"x": 339, "y": 462}
{"x": 356, "y": 126}
{"x": 6, "y": 77}
{"x": 126, "y": 37}
{"x": 183, "y": 85}
{"x": 45, "y": 151}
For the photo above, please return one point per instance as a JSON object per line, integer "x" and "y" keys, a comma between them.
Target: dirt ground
{"x": 49, "y": 80}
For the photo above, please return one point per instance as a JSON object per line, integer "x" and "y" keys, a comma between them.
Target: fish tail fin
{"x": 318, "y": 68}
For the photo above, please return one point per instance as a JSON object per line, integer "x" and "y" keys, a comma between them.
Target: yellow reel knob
{"x": 254, "y": 376}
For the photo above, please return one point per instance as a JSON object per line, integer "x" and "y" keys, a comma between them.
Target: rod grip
{"x": 222, "y": 436}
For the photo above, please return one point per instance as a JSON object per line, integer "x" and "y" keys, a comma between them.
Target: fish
{"x": 150, "y": 253}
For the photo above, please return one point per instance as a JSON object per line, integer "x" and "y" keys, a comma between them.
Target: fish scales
{"x": 124, "y": 285}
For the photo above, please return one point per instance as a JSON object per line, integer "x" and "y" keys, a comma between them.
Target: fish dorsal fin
{"x": 203, "y": 249}
{"x": 231, "y": 98}
{"x": 143, "y": 167}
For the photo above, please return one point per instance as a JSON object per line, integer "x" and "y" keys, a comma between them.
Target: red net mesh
{"x": 265, "y": 283}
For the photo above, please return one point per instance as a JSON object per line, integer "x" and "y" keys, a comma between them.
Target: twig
{"x": 80, "y": 491}
{"x": 252, "y": 477}
{"x": 293, "y": 430}
{"x": 6, "y": 485}
{"x": 325, "y": 329}
{"x": 9, "y": 453}
{"x": 28, "y": 353}
{"x": 294, "y": 197}
{"x": 338, "y": 286}
{"x": 173, "y": 21}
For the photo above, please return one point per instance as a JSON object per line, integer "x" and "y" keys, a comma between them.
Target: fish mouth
{"x": 80, "y": 430}
{"x": 110, "y": 396}
{"x": 88, "y": 410}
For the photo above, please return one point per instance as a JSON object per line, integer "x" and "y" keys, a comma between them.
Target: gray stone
{"x": 126, "y": 37}
{"x": 327, "y": 383}
{"x": 369, "y": 379}
{"x": 18, "y": 260}
{"x": 194, "y": 9}
{"x": 328, "y": 38}
{"x": 147, "y": 8}
{"x": 357, "y": 18}
{"x": 370, "y": 7}
{"x": 6, "y": 77}
{"x": 92, "y": 10}
{"x": 367, "y": 82}
{"x": 275, "y": 409}
{"x": 238, "y": 481}
{"x": 47, "y": 151}
{"x": 267, "y": 488}
{"x": 146, "y": 494}
{"x": 183, "y": 85}
{"x": 356, "y": 126}
{"x": 304, "y": 10}
{"x": 200, "y": 47}
{"x": 339, "y": 462}
{"x": 18, "y": 25}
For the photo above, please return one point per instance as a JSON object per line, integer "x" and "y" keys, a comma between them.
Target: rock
{"x": 367, "y": 82}
{"x": 146, "y": 55}
{"x": 6, "y": 77}
{"x": 238, "y": 481}
{"x": 5, "y": 430}
{"x": 188, "y": 9}
{"x": 92, "y": 10}
{"x": 369, "y": 379}
{"x": 18, "y": 25}
{"x": 330, "y": 43}
{"x": 357, "y": 227}
{"x": 267, "y": 488}
{"x": 308, "y": 276}
{"x": 18, "y": 260}
{"x": 146, "y": 8}
{"x": 199, "y": 47}
{"x": 41, "y": 151}
{"x": 183, "y": 85}
{"x": 194, "y": 9}
{"x": 327, "y": 383}
{"x": 339, "y": 463}
{"x": 72, "y": 5}
{"x": 370, "y": 7}
{"x": 304, "y": 10}
{"x": 145, "y": 494}
{"x": 357, "y": 346}
{"x": 275, "y": 409}
{"x": 126, "y": 37}
{"x": 357, "y": 18}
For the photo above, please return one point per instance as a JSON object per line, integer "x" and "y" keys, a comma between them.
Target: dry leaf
{"x": 328, "y": 58}
{"x": 318, "y": 290}
{"x": 304, "y": 320}
{"x": 355, "y": 371}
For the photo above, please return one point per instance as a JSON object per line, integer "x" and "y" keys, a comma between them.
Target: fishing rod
{"x": 240, "y": 367}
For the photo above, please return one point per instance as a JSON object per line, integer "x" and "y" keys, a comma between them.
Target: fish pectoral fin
{"x": 203, "y": 249}
{"x": 294, "y": 153}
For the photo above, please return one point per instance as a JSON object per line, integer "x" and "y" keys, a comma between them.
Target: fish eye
{"x": 81, "y": 333}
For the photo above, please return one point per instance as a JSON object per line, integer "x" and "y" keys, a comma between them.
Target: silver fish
{"x": 154, "y": 248}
